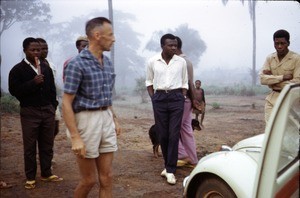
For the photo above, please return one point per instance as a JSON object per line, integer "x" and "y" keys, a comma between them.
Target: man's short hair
{"x": 91, "y": 24}
{"x": 79, "y": 39}
{"x": 179, "y": 42}
{"x": 282, "y": 34}
{"x": 41, "y": 40}
{"x": 165, "y": 37}
{"x": 27, "y": 42}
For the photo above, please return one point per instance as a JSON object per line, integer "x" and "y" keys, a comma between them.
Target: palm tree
{"x": 110, "y": 16}
{"x": 252, "y": 6}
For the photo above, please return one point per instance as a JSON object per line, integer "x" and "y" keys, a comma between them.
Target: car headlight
{"x": 185, "y": 181}
{"x": 225, "y": 148}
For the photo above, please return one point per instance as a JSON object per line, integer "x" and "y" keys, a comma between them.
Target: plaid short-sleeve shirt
{"x": 89, "y": 81}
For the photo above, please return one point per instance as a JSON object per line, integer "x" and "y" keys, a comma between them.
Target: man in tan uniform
{"x": 280, "y": 68}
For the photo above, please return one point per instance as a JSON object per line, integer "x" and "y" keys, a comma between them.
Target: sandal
{"x": 188, "y": 165}
{"x": 4, "y": 185}
{"x": 52, "y": 178}
{"x": 30, "y": 184}
{"x": 181, "y": 163}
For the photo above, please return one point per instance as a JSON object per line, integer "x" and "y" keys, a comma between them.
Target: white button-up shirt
{"x": 163, "y": 76}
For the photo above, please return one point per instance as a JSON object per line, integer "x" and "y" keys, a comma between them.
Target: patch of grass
{"x": 216, "y": 105}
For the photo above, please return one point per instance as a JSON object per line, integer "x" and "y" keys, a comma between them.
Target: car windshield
{"x": 290, "y": 145}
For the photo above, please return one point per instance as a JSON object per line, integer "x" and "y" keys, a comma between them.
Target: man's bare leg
{"x": 104, "y": 167}
{"x": 87, "y": 169}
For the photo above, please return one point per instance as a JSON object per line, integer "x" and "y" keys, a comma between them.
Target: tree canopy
{"x": 23, "y": 10}
{"x": 192, "y": 44}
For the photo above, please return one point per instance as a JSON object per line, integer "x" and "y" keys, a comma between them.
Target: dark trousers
{"x": 168, "y": 111}
{"x": 38, "y": 128}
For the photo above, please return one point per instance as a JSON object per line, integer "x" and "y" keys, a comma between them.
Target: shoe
{"x": 52, "y": 178}
{"x": 181, "y": 163}
{"x": 171, "y": 178}
{"x": 30, "y": 184}
{"x": 163, "y": 173}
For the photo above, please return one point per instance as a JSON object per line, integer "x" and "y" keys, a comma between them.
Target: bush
{"x": 9, "y": 104}
{"x": 141, "y": 90}
{"x": 216, "y": 105}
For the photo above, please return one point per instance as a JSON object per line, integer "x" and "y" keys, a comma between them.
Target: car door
{"x": 278, "y": 170}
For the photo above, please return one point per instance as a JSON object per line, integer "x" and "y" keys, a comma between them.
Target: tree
{"x": 140, "y": 89}
{"x": 252, "y": 11}
{"x": 192, "y": 44}
{"x": 13, "y": 11}
{"x": 61, "y": 39}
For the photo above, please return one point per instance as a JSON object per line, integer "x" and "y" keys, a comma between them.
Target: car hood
{"x": 251, "y": 146}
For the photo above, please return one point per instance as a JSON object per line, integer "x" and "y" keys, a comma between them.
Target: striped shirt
{"x": 91, "y": 82}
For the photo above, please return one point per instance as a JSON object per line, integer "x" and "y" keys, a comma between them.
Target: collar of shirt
{"x": 85, "y": 53}
{"x": 183, "y": 55}
{"x": 33, "y": 67}
{"x": 174, "y": 58}
{"x": 287, "y": 56}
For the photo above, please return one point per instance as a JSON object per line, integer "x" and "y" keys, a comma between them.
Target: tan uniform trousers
{"x": 270, "y": 102}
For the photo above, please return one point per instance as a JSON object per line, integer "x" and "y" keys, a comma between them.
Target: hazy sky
{"x": 226, "y": 30}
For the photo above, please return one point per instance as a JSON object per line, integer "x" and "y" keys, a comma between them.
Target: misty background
{"x": 217, "y": 35}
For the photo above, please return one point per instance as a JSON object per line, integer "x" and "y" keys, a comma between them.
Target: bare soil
{"x": 136, "y": 170}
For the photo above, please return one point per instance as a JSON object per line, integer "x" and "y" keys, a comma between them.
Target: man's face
{"x": 281, "y": 46}
{"x": 106, "y": 37}
{"x": 32, "y": 51}
{"x": 44, "y": 50}
{"x": 82, "y": 45}
{"x": 170, "y": 47}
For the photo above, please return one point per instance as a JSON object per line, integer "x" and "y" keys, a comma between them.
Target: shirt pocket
{"x": 289, "y": 67}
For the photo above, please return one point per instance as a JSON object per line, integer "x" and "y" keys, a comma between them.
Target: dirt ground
{"x": 136, "y": 171}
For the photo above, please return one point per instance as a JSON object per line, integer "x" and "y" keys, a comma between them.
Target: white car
{"x": 263, "y": 166}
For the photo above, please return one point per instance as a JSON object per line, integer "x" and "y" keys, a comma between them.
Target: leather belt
{"x": 168, "y": 90}
{"x": 92, "y": 109}
{"x": 276, "y": 90}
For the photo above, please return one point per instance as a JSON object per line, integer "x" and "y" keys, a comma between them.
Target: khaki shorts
{"x": 97, "y": 130}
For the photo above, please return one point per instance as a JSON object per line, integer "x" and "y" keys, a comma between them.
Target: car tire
{"x": 214, "y": 187}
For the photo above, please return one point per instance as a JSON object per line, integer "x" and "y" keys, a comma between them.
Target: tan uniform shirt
{"x": 290, "y": 64}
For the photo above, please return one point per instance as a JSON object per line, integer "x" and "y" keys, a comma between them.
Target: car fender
{"x": 237, "y": 169}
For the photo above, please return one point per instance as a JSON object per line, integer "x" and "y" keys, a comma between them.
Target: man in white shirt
{"x": 167, "y": 84}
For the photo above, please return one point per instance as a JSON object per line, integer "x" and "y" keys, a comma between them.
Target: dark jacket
{"x": 23, "y": 87}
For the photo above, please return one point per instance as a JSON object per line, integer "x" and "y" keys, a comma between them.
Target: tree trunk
{"x": 254, "y": 73}
{"x": 112, "y": 50}
{"x": 110, "y": 13}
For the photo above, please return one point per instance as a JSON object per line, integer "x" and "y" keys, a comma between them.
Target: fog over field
{"x": 225, "y": 58}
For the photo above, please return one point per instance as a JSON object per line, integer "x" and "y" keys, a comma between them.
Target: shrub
{"x": 140, "y": 89}
{"x": 216, "y": 105}
{"x": 9, "y": 104}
